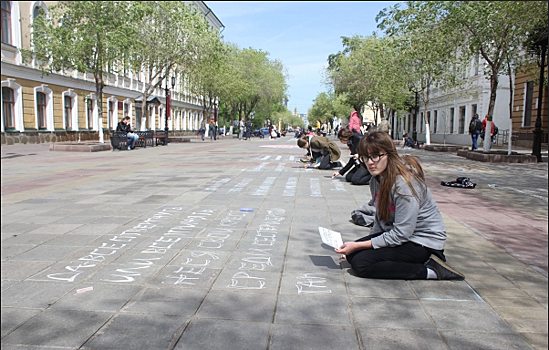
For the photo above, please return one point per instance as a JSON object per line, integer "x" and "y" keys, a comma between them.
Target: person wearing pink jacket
{"x": 355, "y": 122}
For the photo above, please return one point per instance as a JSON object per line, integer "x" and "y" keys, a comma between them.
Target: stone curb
{"x": 439, "y": 148}
{"x": 497, "y": 157}
{"x": 80, "y": 147}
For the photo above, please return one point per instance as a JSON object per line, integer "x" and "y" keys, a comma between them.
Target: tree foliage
{"x": 368, "y": 71}
{"x": 434, "y": 30}
{"x": 174, "y": 40}
{"x": 156, "y": 40}
{"x": 328, "y": 105}
{"x": 87, "y": 36}
{"x": 252, "y": 82}
{"x": 426, "y": 49}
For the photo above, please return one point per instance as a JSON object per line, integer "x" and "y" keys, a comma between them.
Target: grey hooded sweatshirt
{"x": 411, "y": 220}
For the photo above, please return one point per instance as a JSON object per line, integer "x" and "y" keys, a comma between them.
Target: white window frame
{"x": 49, "y": 107}
{"x": 17, "y": 103}
{"x": 43, "y": 6}
{"x": 95, "y": 115}
{"x": 15, "y": 28}
{"x": 74, "y": 109}
{"x": 128, "y": 109}
{"x": 115, "y": 119}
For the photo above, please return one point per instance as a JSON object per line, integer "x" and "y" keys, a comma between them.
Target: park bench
{"x": 160, "y": 136}
{"x": 119, "y": 140}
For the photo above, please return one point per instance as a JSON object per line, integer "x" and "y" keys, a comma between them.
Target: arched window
{"x": 89, "y": 112}
{"x": 452, "y": 119}
{"x": 70, "y": 110}
{"x": 37, "y": 11}
{"x": 8, "y": 111}
{"x": 6, "y": 22}
{"x": 67, "y": 101}
{"x": 461, "y": 120}
{"x": 41, "y": 110}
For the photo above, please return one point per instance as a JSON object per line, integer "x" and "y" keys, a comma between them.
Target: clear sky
{"x": 301, "y": 34}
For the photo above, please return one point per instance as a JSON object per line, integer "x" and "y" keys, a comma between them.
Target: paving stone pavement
{"x": 215, "y": 245}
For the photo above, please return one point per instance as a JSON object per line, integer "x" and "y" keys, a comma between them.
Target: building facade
{"x": 57, "y": 107}
{"x": 449, "y": 114}
{"x": 525, "y": 109}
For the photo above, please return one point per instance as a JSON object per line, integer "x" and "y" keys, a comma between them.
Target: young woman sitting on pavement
{"x": 408, "y": 236}
{"x": 323, "y": 151}
{"x": 356, "y": 174}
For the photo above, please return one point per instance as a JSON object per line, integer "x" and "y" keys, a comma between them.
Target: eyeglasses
{"x": 375, "y": 158}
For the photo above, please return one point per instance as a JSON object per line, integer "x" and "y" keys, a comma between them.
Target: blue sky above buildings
{"x": 301, "y": 34}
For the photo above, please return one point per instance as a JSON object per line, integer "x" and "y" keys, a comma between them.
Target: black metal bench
{"x": 119, "y": 140}
{"x": 160, "y": 136}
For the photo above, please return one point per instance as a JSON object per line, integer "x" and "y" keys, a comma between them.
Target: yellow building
{"x": 525, "y": 110}
{"x": 64, "y": 107}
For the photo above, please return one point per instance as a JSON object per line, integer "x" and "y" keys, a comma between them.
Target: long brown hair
{"x": 376, "y": 142}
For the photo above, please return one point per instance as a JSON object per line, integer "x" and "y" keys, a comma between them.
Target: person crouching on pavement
{"x": 324, "y": 152}
{"x": 407, "y": 239}
{"x": 408, "y": 141}
{"x": 356, "y": 174}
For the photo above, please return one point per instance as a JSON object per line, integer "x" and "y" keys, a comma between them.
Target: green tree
{"x": 87, "y": 36}
{"x": 493, "y": 30}
{"x": 209, "y": 61}
{"x": 174, "y": 40}
{"x": 253, "y": 83}
{"x": 348, "y": 73}
{"x": 328, "y": 105}
{"x": 496, "y": 30}
{"x": 426, "y": 52}
{"x": 367, "y": 72}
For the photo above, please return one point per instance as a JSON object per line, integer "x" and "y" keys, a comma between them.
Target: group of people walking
{"x": 408, "y": 235}
{"x": 477, "y": 128}
{"x": 244, "y": 129}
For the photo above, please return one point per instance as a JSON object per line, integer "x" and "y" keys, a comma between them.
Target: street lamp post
{"x": 168, "y": 105}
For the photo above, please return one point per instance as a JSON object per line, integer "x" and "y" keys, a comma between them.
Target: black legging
{"x": 403, "y": 262}
{"x": 358, "y": 176}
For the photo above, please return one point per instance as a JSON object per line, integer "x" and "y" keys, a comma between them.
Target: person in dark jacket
{"x": 124, "y": 126}
{"x": 356, "y": 174}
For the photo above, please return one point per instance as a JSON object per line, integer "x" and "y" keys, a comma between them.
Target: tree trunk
{"x": 494, "y": 82}
{"x": 144, "y": 110}
{"x": 427, "y": 126}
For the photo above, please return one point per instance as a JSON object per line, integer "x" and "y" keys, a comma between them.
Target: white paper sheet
{"x": 331, "y": 238}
